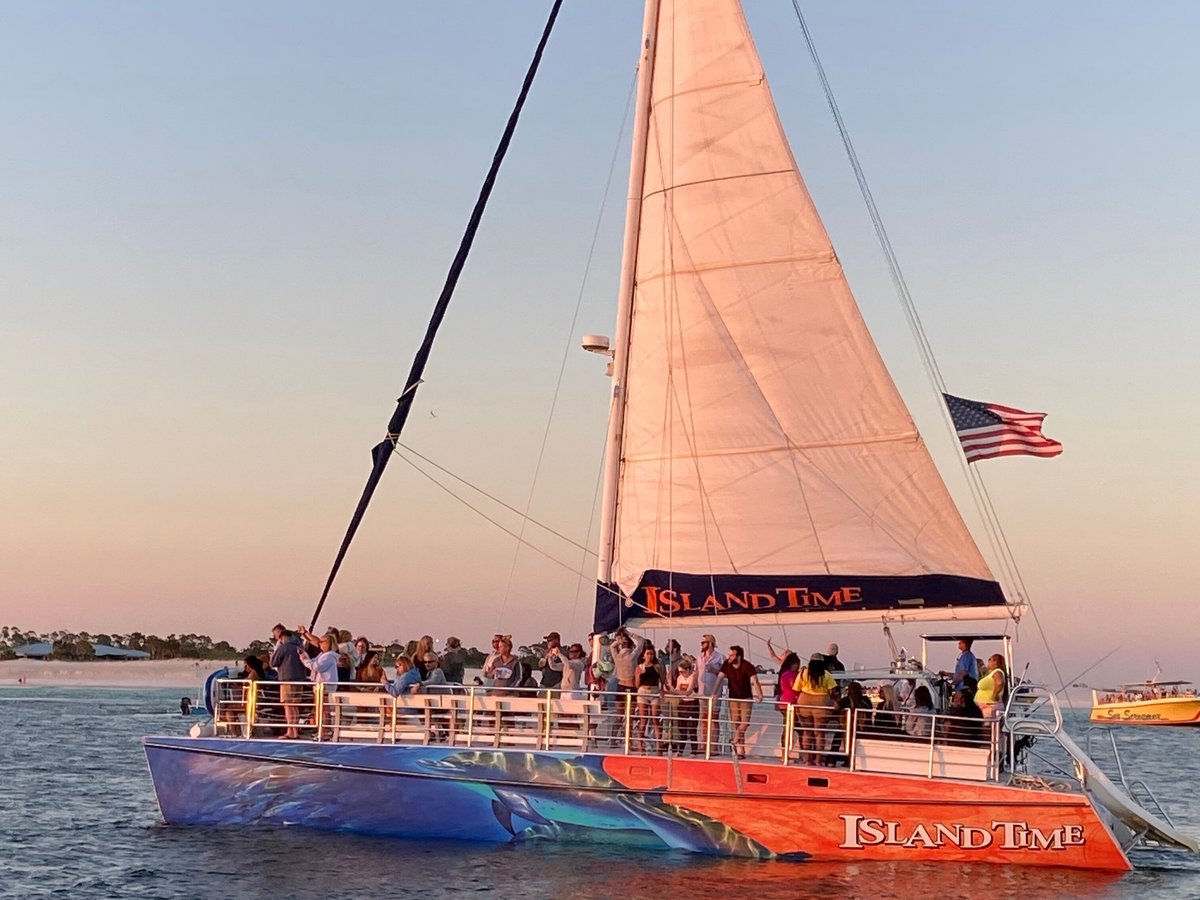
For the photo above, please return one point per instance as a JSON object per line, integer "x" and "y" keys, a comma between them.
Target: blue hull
{"x": 479, "y": 795}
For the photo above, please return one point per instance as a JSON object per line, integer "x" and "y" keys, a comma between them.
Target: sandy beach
{"x": 182, "y": 673}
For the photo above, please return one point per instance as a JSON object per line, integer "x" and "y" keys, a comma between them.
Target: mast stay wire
{"x": 483, "y": 515}
{"x": 403, "y": 449}
{"x": 512, "y": 509}
{"x": 382, "y": 452}
{"x": 992, "y": 527}
{"x": 587, "y": 268}
{"x": 494, "y": 522}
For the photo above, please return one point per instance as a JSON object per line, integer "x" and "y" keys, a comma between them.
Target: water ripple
{"x": 78, "y": 819}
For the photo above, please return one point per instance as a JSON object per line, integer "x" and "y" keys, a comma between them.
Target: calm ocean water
{"x": 78, "y": 819}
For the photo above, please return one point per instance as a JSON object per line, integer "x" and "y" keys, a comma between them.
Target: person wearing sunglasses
{"x": 434, "y": 675}
{"x": 708, "y": 665}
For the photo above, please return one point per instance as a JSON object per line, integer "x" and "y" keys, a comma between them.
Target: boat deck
{"x": 862, "y": 740}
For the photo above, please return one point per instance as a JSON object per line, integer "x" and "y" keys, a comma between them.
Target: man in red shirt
{"x": 743, "y": 690}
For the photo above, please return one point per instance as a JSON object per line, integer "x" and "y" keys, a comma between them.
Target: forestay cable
{"x": 382, "y": 452}
{"x": 991, "y": 522}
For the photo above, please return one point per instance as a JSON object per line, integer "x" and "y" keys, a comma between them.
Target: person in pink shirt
{"x": 789, "y": 668}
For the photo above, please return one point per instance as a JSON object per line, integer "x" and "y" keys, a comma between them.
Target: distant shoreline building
{"x": 43, "y": 649}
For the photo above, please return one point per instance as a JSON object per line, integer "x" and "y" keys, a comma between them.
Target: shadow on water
{"x": 254, "y": 857}
{"x": 79, "y": 819}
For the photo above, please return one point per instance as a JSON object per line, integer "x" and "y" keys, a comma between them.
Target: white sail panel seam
{"x": 830, "y": 259}
{"x": 785, "y": 448}
{"x": 668, "y": 188}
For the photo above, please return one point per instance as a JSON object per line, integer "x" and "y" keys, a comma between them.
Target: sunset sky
{"x": 223, "y": 227}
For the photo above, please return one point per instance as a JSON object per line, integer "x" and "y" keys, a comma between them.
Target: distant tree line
{"x": 78, "y": 645}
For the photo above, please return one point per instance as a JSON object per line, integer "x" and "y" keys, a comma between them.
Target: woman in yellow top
{"x": 992, "y": 693}
{"x": 814, "y": 700}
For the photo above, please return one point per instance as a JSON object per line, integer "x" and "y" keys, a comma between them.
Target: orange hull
{"x": 838, "y": 815}
{"x": 759, "y": 810}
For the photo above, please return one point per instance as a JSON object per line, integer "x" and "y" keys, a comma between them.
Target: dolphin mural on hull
{"x": 572, "y": 798}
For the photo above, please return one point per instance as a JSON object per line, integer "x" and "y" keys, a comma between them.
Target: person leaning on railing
{"x": 434, "y": 676}
{"x": 407, "y": 680}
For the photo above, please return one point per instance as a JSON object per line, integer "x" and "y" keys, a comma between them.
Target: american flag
{"x": 988, "y": 429}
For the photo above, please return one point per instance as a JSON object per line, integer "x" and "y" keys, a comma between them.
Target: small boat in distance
{"x": 1147, "y": 703}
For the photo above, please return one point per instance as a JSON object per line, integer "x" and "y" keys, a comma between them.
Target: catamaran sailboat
{"x": 761, "y": 468}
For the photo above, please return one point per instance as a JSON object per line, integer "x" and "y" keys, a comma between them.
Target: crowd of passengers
{"x": 669, "y": 706}
{"x": 1151, "y": 693}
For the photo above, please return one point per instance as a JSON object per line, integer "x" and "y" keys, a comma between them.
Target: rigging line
{"x": 488, "y": 518}
{"x": 1050, "y": 653}
{"x": 1089, "y": 668}
{"x": 512, "y": 509}
{"x": 897, "y": 276}
{"x": 562, "y": 368}
{"x": 1019, "y": 582}
{"x": 381, "y": 452}
{"x": 991, "y": 523}
{"x": 583, "y": 562}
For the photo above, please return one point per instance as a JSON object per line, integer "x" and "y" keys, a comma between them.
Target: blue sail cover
{"x": 676, "y": 598}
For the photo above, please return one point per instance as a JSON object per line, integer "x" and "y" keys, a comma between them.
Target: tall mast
{"x": 633, "y": 218}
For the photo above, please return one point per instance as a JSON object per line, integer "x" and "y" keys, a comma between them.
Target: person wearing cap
{"x": 552, "y": 661}
{"x": 832, "y": 663}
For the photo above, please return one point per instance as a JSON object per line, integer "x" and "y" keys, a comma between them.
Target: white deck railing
{"x": 932, "y": 746}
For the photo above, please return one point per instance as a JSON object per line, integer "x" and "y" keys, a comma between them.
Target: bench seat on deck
{"x": 904, "y": 757}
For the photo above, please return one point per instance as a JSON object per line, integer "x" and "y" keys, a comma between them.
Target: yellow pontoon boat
{"x": 1147, "y": 703}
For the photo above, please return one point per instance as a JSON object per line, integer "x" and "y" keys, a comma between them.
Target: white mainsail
{"x": 764, "y": 450}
